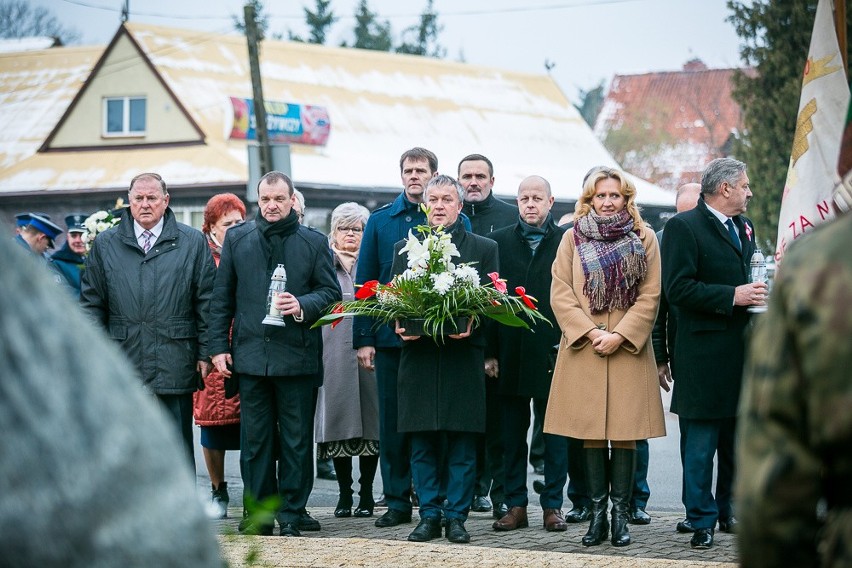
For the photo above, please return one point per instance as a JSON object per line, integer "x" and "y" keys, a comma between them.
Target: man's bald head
{"x": 687, "y": 197}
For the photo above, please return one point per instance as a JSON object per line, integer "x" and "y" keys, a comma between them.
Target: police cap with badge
{"x": 75, "y": 223}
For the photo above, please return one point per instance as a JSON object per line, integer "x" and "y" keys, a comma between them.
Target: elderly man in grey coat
{"x": 148, "y": 281}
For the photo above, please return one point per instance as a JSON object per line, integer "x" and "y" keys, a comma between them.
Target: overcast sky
{"x": 588, "y": 40}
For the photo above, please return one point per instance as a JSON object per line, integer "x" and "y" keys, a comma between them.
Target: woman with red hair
{"x": 216, "y": 414}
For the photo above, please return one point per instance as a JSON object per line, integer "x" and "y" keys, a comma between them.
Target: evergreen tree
{"x": 369, "y": 32}
{"x": 590, "y": 103}
{"x": 318, "y": 22}
{"x": 18, "y": 19}
{"x": 260, "y": 17}
{"x": 422, "y": 38}
{"x": 775, "y": 36}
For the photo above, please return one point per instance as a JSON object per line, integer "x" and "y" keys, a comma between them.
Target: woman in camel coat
{"x": 605, "y": 294}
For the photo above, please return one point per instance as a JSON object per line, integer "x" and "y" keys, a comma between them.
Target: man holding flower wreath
{"x": 441, "y": 386}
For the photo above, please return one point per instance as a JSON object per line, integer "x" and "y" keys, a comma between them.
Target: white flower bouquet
{"x": 437, "y": 291}
{"x": 97, "y": 223}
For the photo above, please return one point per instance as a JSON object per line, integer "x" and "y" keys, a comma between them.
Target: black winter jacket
{"x": 240, "y": 292}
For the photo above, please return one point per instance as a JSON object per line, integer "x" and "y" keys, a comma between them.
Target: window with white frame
{"x": 189, "y": 215}
{"x": 124, "y": 116}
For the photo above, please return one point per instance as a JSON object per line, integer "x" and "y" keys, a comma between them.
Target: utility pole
{"x": 257, "y": 90}
{"x": 125, "y": 11}
{"x": 840, "y": 26}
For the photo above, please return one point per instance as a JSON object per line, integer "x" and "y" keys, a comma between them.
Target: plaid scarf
{"x": 613, "y": 260}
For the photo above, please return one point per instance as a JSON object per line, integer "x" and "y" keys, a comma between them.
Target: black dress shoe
{"x": 361, "y": 511}
{"x": 538, "y": 486}
{"x": 480, "y": 504}
{"x": 638, "y": 516}
{"x": 685, "y": 526}
{"x": 393, "y": 518}
{"x": 289, "y": 529}
{"x": 500, "y": 510}
{"x": 307, "y": 523}
{"x": 252, "y": 527}
{"x": 578, "y": 515}
{"x": 729, "y": 525}
{"x": 427, "y": 529}
{"x": 344, "y": 507}
{"x": 343, "y": 512}
{"x": 456, "y": 531}
{"x": 702, "y": 539}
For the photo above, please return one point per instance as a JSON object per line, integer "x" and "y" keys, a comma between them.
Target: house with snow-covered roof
{"x": 80, "y": 122}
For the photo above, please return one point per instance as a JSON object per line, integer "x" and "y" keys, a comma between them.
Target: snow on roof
{"x": 18, "y": 45}
{"x": 380, "y": 104}
{"x": 35, "y": 89}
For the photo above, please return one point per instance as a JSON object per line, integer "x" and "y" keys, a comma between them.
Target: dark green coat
{"x": 441, "y": 386}
{"x": 701, "y": 269}
{"x": 155, "y": 306}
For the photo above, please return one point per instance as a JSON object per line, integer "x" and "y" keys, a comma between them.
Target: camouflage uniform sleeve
{"x": 795, "y": 424}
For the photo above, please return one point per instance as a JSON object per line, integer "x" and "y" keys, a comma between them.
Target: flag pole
{"x": 840, "y": 27}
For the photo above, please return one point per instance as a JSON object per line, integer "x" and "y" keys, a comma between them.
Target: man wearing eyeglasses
{"x": 148, "y": 281}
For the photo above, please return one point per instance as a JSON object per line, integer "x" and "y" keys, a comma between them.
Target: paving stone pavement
{"x": 357, "y": 542}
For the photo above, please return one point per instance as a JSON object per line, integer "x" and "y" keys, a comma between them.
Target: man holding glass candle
{"x": 277, "y": 366}
{"x": 706, "y": 254}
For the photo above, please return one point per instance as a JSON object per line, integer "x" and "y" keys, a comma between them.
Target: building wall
{"x": 122, "y": 74}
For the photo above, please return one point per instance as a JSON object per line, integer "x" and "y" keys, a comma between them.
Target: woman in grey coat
{"x": 347, "y": 417}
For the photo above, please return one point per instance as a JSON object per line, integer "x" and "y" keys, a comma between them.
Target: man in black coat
{"x": 487, "y": 214}
{"x": 522, "y": 367}
{"x": 277, "y": 367}
{"x": 148, "y": 282}
{"x": 442, "y": 386}
{"x": 706, "y": 254}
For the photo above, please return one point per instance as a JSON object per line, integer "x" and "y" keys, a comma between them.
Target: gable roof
{"x": 379, "y": 105}
{"x": 684, "y": 119}
{"x": 104, "y": 59}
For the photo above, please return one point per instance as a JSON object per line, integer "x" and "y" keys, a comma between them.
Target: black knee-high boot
{"x": 368, "y": 466}
{"x": 598, "y": 484}
{"x": 343, "y": 467}
{"x": 622, "y": 469}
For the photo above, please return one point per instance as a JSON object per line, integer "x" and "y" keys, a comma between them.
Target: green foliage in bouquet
{"x": 436, "y": 290}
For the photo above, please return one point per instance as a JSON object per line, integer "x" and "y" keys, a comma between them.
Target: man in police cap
{"x": 36, "y": 232}
{"x": 68, "y": 261}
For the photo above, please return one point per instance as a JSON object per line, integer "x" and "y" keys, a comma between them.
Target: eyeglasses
{"x": 355, "y": 230}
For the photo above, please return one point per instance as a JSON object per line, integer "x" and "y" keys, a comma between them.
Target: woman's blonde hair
{"x": 626, "y": 187}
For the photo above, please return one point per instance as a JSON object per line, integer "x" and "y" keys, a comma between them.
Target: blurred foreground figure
{"x": 795, "y": 441}
{"x": 84, "y": 485}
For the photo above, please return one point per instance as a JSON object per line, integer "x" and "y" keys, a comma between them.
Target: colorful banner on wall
{"x": 285, "y": 122}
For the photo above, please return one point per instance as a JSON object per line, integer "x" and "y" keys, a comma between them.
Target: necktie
{"x": 735, "y": 237}
{"x": 146, "y": 244}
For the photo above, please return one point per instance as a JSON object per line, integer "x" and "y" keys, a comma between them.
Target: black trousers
{"x": 178, "y": 407}
{"x": 489, "y": 448}
{"x": 282, "y": 405}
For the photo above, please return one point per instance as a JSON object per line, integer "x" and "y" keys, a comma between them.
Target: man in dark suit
{"x": 442, "y": 386}
{"x": 278, "y": 367}
{"x": 706, "y": 254}
{"x": 487, "y": 214}
{"x": 522, "y": 358}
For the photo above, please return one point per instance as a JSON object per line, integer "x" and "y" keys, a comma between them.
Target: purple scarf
{"x": 613, "y": 260}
